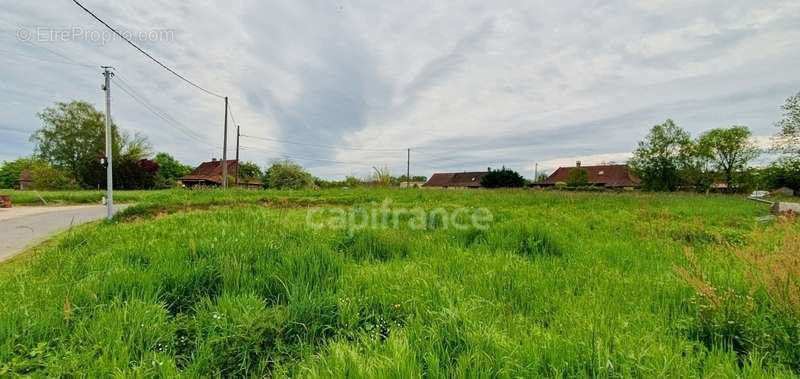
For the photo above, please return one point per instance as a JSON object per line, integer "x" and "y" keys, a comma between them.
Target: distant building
{"x": 411, "y": 184}
{"x": 209, "y": 174}
{"x": 25, "y": 180}
{"x": 456, "y": 180}
{"x": 618, "y": 176}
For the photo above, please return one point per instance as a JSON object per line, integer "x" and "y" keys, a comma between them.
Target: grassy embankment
{"x": 561, "y": 284}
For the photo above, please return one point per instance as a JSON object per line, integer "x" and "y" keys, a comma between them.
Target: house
{"x": 25, "y": 180}
{"x": 209, "y": 174}
{"x": 617, "y": 176}
{"x": 456, "y": 180}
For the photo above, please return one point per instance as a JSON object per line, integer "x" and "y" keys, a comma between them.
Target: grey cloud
{"x": 479, "y": 83}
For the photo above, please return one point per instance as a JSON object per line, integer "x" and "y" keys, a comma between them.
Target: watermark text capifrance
{"x": 385, "y": 216}
{"x": 101, "y": 36}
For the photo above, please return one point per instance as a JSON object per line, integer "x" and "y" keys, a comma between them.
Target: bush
{"x": 287, "y": 175}
{"x": 502, "y": 178}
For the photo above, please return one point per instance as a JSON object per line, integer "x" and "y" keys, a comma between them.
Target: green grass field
{"x": 215, "y": 283}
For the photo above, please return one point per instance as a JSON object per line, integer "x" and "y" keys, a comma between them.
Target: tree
{"x": 287, "y": 175}
{"x": 42, "y": 174}
{"x": 46, "y": 177}
{"x": 730, "y": 150}
{"x": 248, "y": 171}
{"x": 73, "y": 139}
{"x": 784, "y": 173}
{"x": 658, "y": 159}
{"x": 502, "y": 178}
{"x": 788, "y": 138}
{"x": 696, "y": 169}
{"x": 132, "y": 173}
{"x": 578, "y": 177}
{"x": 10, "y": 171}
{"x": 169, "y": 170}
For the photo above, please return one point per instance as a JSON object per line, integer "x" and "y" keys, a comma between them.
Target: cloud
{"x": 465, "y": 85}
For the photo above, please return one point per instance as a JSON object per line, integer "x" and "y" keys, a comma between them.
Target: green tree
{"x": 169, "y": 170}
{"x": 42, "y": 174}
{"x": 659, "y": 158}
{"x": 249, "y": 171}
{"x": 788, "y": 138}
{"x": 578, "y": 177}
{"x": 287, "y": 175}
{"x": 10, "y": 171}
{"x": 730, "y": 150}
{"x": 46, "y": 177}
{"x": 502, "y": 178}
{"x": 696, "y": 169}
{"x": 784, "y": 173}
{"x": 72, "y": 138}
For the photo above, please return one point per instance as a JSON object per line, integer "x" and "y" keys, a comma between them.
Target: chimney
{"x": 578, "y": 164}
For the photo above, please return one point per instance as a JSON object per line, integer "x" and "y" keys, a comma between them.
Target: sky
{"x": 344, "y": 86}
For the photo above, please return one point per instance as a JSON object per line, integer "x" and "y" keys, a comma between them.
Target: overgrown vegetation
{"x": 561, "y": 284}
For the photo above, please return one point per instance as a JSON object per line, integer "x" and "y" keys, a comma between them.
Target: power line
{"x": 162, "y": 117}
{"x": 321, "y": 146}
{"x": 44, "y": 59}
{"x": 54, "y": 52}
{"x": 230, "y": 112}
{"x": 124, "y": 86}
{"x": 145, "y": 53}
{"x": 290, "y": 156}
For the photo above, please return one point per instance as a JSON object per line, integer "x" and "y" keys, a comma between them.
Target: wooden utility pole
{"x": 238, "y": 167}
{"x": 225, "y": 149}
{"x": 408, "y": 169}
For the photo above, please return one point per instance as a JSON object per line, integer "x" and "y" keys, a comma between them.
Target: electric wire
{"x": 292, "y": 156}
{"x": 125, "y": 87}
{"x": 146, "y": 53}
{"x": 334, "y": 147}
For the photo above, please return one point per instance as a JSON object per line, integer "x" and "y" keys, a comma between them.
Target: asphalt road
{"x": 22, "y": 227}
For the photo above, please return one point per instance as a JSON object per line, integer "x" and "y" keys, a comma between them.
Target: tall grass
{"x": 560, "y": 285}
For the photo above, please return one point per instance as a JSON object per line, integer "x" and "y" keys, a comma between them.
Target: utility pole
{"x": 225, "y": 149}
{"x": 237, "y": 156}
{"x": 536, "y": 173}
{"x": 108, "y": 161}
{"x": 408, "y": 169}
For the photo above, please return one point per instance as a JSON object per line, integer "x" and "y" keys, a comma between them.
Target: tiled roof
{"x": 618, "y": 175}
{"x": 456, "y": 179}
{"x": 211, "y": 172}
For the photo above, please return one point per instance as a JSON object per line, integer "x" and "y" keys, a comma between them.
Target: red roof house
{"x": 209, "y": 174}
{"x": 610, "y": 176}
{"x": 456, "y": 180}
